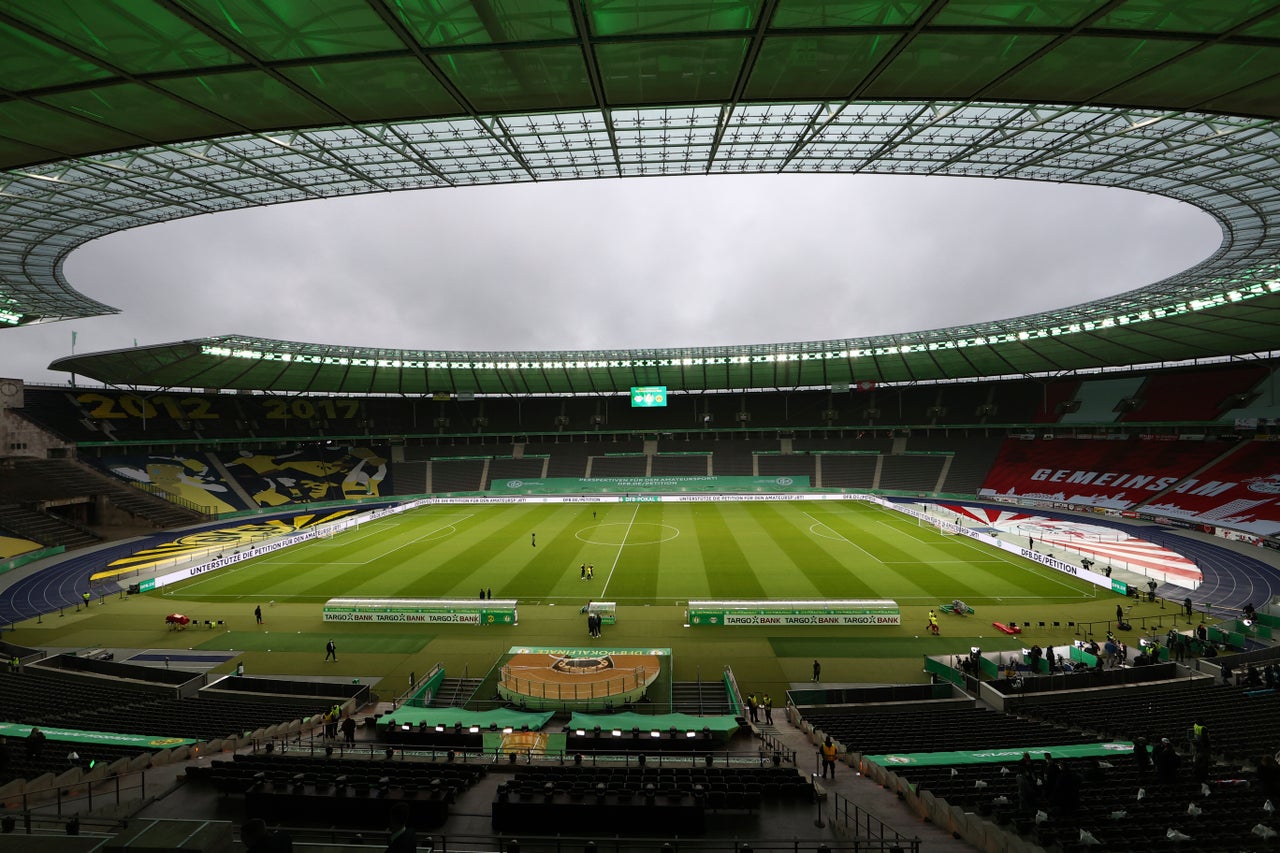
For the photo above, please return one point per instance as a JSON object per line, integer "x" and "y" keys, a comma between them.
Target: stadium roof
{"x": 120, "y": 113}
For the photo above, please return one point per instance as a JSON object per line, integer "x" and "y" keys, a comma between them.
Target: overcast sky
{"x": 621, "y": 264}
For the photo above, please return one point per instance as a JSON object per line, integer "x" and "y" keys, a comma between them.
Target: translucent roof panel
{"x": 116, "y": 114}
{"x": 687, "y": 71}
{"x": 436, "y": 24}
{"x": 789, "y": 65}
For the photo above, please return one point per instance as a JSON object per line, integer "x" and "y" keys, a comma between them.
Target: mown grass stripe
{"x": 729, "y": 571}
{"x": 830, "y": 566}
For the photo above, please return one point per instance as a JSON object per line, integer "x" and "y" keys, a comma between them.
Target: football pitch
{"x": 649, "y": 558}
{"x": 643, "y": 554}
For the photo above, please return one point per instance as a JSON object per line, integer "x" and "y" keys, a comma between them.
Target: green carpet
{"x": 356, "y": 644}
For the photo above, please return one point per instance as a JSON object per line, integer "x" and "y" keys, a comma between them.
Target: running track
{"x": 64, "y": 584}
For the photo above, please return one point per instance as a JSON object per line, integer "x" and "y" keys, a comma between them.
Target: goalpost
{"x": 941, "y": 525}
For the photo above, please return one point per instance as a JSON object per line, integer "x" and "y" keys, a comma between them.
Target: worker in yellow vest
{"x": 828, "y": 750}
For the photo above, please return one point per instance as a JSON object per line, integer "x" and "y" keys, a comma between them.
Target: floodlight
{"x": 439, "y": 727}
{"x": 474, "y": 729}
{"x": 655, "y": 733}
{"x": 404, "y": 727}
{"x": 580, "y": 732}
{"x": 617, "y": 732}
{"x": 690, "y": 734}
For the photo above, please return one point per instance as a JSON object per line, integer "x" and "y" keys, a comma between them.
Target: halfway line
{"x": 621, "y": 545}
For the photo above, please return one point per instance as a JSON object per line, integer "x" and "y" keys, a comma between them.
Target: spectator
{"x": 401, "y": 838}
{"x": 35, "y": 742}
{"x": 1167, "y": 761}
{"x": 1269, "y": 778}
{"x": 349, "y": 729}
{"x": 1050, "y": 771}
{"x": 1066, "y": 791}
{"x": 1141, "y": 755}
{"x": 1027, "y": 794}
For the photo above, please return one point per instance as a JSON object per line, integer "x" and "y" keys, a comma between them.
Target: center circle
{"x": 638, "y": 533}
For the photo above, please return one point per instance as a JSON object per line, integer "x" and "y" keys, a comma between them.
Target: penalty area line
{"x": 842, "y": 537}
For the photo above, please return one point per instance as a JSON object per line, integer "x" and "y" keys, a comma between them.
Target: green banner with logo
{"x": 649, "y": 485}
{"x": 16, "y": 731}
{"x": 422, "y": 611}
{"x": 870, "y": 612}
{"x": 995, "y": 756}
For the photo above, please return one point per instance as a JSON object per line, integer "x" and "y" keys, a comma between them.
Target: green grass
{"x": 644, "y": 553}
{"x": 651, "y": 558}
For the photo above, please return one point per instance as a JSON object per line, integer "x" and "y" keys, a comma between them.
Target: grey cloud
{"x": 606, "y": 264}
